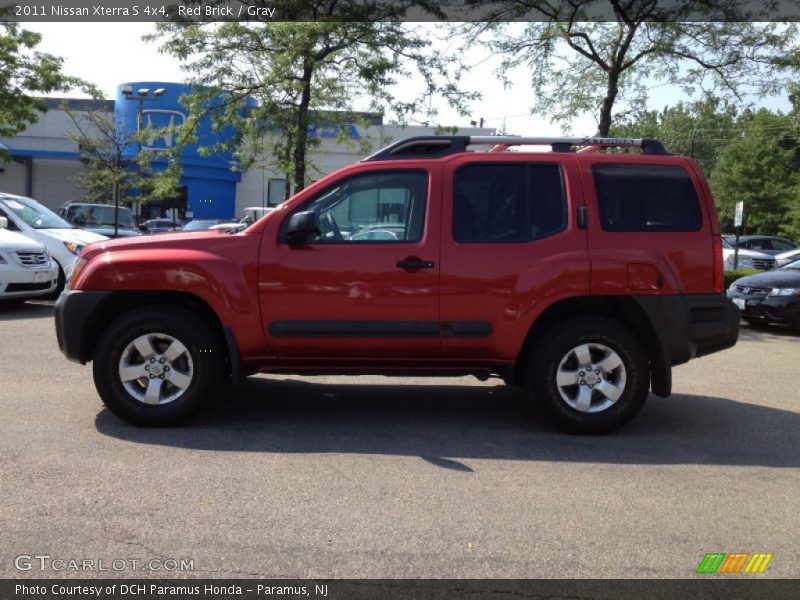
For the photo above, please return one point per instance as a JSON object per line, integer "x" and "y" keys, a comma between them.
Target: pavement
{"x": 370, "y": 477}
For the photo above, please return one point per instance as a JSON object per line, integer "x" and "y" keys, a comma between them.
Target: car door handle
{"x": 415, "y": 264}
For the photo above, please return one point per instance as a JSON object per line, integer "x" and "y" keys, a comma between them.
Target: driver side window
{"x": 377, "y": 207}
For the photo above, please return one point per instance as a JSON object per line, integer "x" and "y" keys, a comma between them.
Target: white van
{"x": 62, "y": 240}
{"x": 26, "y": 270}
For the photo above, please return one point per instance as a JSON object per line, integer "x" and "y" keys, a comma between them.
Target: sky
{"x": 108, "y": 54}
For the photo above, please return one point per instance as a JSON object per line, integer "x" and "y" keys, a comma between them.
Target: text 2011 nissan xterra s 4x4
{"x": 582, "y": 275}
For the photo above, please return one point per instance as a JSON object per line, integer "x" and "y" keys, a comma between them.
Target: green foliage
{"x": 697, "y": 129}
{"x": 102, "y": 141}
{"x": 734, "y": 274}
{"x": 302, "y": 74}
{"x": 761, "y": 169}
{"x": 580, "y": 64}
{"x": 25, "y": 73}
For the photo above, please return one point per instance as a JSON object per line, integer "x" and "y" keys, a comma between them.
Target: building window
{"x": 276, "y": 191}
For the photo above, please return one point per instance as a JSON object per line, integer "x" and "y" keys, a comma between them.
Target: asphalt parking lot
{"x": 368, "y": 477}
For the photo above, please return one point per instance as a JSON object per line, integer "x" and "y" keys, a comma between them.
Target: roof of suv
{"x": 440, "y": 146}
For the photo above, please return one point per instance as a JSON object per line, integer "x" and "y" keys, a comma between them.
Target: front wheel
{"x": 589, "y": 374}
{"x": 157, "y": 366}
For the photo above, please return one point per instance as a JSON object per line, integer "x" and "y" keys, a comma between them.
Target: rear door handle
{"x": 415, "y": 264}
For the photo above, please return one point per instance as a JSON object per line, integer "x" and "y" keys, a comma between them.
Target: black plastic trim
{"x": 73, "y": 312}
{"x": 469, "y": 329}
{"x": 450, "y": 144}
{"x": 692, "y": 325}
{"x": 358, "y": 329}
{"x": 237, "y": 370}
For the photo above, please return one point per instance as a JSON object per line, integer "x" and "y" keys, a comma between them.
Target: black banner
{"x": 396, "y": 589}
{"x": 66, "y": 11}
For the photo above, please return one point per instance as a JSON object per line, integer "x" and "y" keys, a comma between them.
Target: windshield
{"x": 34, "y": 214}
{"x": 89, "y": 215}
{"x": 794, "y": 266}
{"x": 199, "y": 224}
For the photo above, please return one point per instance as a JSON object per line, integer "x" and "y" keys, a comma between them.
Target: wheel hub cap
{"x": 591, "y": 377}
{"x": 156, "y": 368}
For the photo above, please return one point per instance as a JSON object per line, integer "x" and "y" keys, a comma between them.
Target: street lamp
{"x": 142, "y": 95}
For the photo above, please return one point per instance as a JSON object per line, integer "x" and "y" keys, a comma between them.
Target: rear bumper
{"x": 73, "y": 313}
{"x": 689, "y": 326}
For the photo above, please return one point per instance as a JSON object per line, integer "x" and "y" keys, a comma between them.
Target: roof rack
{"x": 437, "y": 146}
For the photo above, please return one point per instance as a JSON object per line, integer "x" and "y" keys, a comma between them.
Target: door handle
{"x": 415, "y": 264}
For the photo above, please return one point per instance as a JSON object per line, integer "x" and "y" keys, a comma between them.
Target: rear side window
{"x": 646, "y": 198}
{"x": 506, "y": 203}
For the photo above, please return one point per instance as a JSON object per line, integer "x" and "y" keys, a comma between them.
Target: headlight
{"x": 745, "y": 263}
{"x": 785, "y": 292}
{"x": 73, "y": 247}
{"x": 76, "y": 271}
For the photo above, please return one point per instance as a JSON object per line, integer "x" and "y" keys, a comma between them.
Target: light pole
{"x": 142, "y": 95}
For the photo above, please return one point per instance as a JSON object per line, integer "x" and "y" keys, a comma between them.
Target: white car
{"x": 26, "y": 269}
{"x": 62, "y": 240}
{"x": 748, "y": 259}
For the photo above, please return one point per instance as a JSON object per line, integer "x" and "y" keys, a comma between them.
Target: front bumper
{"x": 777, "y": 309}
{"x": 73, "y": 322}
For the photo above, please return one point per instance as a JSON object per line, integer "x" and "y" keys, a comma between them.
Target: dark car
{"x": 769, "y": 244}
{"x": 771, "y": 297}
{"x": 160, "y": 226}
{"x": 99, "y": 218}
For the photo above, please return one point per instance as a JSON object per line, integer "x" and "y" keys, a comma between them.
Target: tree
{"x": 274, "y": 80}
{"x": 110, "y": 174}
{"x": 601, "y": 56}
{"x": 760, "y": 168}
{"x": 697, "y": 129}
{"x": 25, "y": 73}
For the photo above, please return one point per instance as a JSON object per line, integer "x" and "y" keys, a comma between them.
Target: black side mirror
{"x": 301, "y": 225}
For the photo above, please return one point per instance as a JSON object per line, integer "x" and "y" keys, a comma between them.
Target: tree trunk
{"x": 302, "y": 131}
{"x": 608, "y": 102}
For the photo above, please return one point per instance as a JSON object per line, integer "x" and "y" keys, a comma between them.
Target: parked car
{"x": 62, "y": 240}
{"x": 768, "y": 244}
{"x": 160, "y": 226}
{"x": 748, "y": 259}
{"x": 203, "y": 224}
{"x": 584, "y": 276}
{"x": 772, "y": 297}
{"x": 784, "y": 258}
{"x": 26, "y": 270}
{"x": 100, "y": 218}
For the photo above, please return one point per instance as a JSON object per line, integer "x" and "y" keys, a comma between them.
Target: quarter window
{"x": 505, "y": 203}
{"x": 646, "y": 198}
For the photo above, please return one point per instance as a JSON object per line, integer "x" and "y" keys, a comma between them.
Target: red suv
{"x": 583, "y": 276}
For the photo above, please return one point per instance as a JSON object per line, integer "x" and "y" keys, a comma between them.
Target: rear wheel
{"x": 589, "y": 374}
{"x": 157, "y": 366}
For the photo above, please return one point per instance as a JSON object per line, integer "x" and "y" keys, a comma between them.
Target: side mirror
{"x": 301, "y": 225}
{"x": 3, "y": 223}
{"x": 142, "y": 227}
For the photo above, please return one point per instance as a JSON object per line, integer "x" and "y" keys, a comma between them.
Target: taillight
{"x": 719, "y": 285}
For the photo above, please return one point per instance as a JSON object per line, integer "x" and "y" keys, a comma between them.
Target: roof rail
{"x": 437, "y": 146}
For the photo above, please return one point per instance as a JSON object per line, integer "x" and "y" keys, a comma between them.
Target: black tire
{"x": 62, "y": 283}
{"x": 757, "y": 323}
{"x": 602, "y": 338}
{"x": 202, "y": 359}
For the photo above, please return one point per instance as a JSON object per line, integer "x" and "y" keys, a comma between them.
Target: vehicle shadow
{"x": 772, "y": 332}
{"x": 444, "y": 423}
{"x": 10, "y": 311}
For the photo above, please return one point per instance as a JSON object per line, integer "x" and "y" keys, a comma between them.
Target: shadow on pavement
{"x": 444, "y": 423}
{"x": 14, "y": 311}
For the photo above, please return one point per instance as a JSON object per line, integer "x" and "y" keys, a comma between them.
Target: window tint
{"x": 646, "y": 198}
{"x": 508, "y": 203}
{"x": 374, "y": 208}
